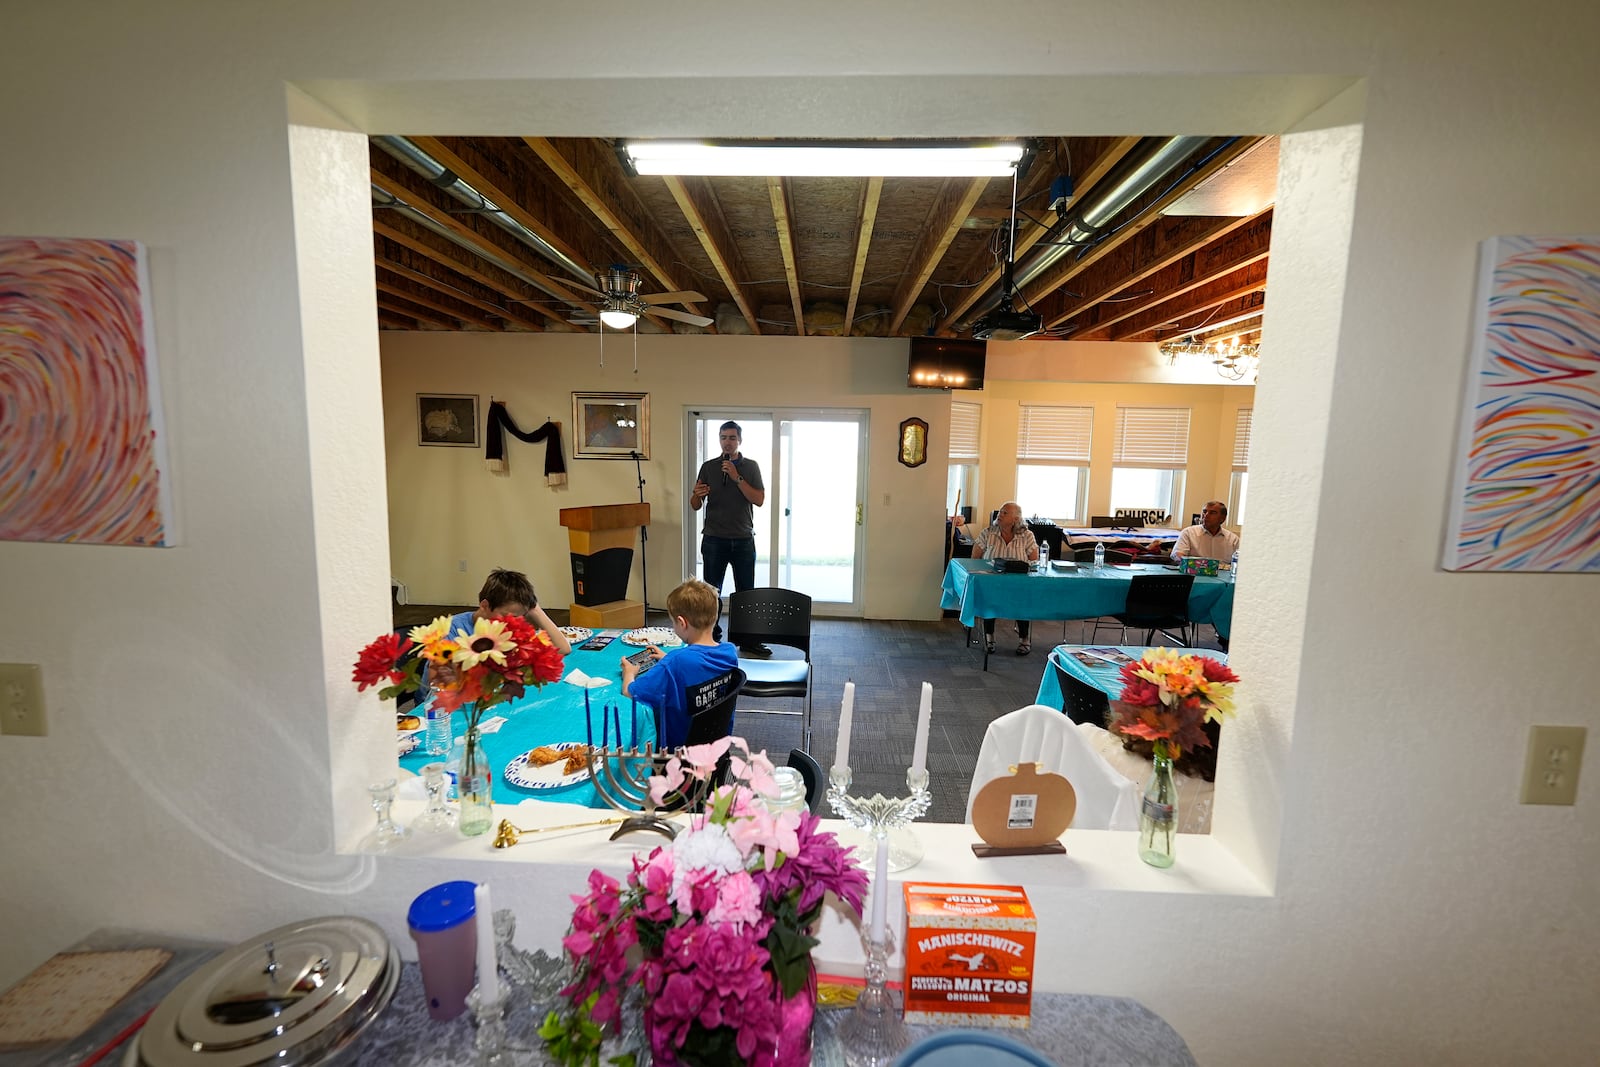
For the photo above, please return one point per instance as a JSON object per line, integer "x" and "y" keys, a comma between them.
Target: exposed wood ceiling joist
{"x": 866, "y": 216}
{"x": 700, "y": 209}
{"x": 778, "y": 191}
{"x": 945, "y": 216}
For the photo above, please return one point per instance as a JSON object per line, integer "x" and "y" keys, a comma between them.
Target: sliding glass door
{"x": 808, "y": 534}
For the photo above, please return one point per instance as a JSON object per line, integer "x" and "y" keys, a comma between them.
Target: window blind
{"x": 1152, "y": 437}
{"x": 1057, "y": 434}
{"x": 964, "y": 422}
{"x": 1241, "y": 440}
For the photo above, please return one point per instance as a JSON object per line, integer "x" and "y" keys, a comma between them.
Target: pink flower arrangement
{"x": 712, "y": 930}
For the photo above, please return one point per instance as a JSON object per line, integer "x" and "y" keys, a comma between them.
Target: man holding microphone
{"x": 729, "y": 486}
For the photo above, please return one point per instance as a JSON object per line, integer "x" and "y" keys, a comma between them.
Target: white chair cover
{"x": 1043, "y": 735}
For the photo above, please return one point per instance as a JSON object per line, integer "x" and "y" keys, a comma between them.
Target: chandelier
{"x": 1231, "y": 359}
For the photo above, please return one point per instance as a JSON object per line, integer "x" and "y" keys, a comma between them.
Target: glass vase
{"x": 1158, "y": 814}
{"x": 474, "y": 781}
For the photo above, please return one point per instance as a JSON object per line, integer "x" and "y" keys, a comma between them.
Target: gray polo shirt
{"x": 728, "y": 513}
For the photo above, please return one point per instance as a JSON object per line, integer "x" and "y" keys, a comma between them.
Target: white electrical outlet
{"x": 1555, "y": 754}
{"x": 22, "y": 700}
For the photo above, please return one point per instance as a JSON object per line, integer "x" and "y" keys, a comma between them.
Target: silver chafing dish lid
{"x": 292, "y": 997}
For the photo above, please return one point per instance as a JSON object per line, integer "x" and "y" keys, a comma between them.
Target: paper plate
{"x": 660, "y": 636}
{"x": 409, "y": 742}
{"x": 577, "y": 634}
{"x": 422, "y": 723}
{"x": 524, "y": 775}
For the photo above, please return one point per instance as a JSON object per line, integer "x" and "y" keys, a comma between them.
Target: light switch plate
{"x": 1555, "y": 755}
{"x": 22, "y": 699}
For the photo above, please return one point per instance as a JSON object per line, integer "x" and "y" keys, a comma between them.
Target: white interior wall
{"x": 1418, "y": 911}
{"x": 512, "y": 519}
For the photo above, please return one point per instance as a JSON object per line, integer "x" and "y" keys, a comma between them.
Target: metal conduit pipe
{"x": 437, "y": 174}
{"x": 1154, "y": 159}
{"x": 383, "y": 199}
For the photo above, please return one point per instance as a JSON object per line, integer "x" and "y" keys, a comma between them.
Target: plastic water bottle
{"x": 1044, "y": 556}
{"x": 1099, "y": 555}
{"x": 436, "y": 741}
{"x": 1233, "y": 568}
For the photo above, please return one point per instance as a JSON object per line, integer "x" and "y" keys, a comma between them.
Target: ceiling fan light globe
{"x": 618, "y": 320}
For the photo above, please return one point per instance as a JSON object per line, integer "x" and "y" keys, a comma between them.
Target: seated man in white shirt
{"x": 1208, "y": 540}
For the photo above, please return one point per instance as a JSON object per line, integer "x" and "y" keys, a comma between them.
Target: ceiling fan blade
{"x": 682, "y": 296}
{"x": 682, "y": 316}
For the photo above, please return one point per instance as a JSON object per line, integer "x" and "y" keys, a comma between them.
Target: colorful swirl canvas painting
{"x": 82, "y": 442}
{"x": 1527, "y": 494}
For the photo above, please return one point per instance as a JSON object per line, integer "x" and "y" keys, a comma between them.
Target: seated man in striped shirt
{"x": 1208, "y": 540}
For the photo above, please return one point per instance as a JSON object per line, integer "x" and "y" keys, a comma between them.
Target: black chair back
{"x": 711, "y": 706}
{"x": 1102, "y": 522}
{"x": 1081, "y": 701}
{"x": 1161, "y": 596}
{"x": 769, "y": 615}
{"x": 811, "y": 774}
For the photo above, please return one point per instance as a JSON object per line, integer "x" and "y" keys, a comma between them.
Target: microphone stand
{"x": 644, "y": 538}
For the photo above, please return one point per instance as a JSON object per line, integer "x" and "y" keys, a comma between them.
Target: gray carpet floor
{"x": 889, "y": 660}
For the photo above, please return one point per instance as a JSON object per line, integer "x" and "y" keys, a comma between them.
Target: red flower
{"x": 1216, "y": 672}
{"x": 377, "y": 661}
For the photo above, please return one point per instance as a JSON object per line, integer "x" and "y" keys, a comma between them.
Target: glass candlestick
{"x": 439, "y": 817}
{"x": 884, "y": 818}
{"x": 388, "y": 833}
{"x": 874, "y": 1033}
{"x": 489, "y": 1016}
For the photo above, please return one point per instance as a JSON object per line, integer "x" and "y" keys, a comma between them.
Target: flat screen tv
{"x": 946, "y": 363}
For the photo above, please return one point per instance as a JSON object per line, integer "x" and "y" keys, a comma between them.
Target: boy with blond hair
{"x": 693, "y": 607}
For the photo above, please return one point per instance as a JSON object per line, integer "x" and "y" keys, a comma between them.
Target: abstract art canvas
{"x": 1527, "y": 494}
{"x": 82, "y": 441}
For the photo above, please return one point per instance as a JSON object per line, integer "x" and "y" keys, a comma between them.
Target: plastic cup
{"x": 444, "y": 926}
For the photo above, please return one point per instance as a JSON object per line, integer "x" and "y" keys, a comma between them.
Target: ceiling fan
{"x": 621, "y": 303}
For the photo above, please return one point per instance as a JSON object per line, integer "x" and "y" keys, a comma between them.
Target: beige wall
{"x": 202, "y": 726}
{"x": 1213, "y": 414}
{"x": 445, "y": 506}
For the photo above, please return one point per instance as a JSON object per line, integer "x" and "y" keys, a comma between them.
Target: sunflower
{"x": 488, "y": 640}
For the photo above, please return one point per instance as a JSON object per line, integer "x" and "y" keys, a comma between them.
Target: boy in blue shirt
{"x": 693, "y": 607}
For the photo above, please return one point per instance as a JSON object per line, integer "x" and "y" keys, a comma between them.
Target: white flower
{"x": 705, "y": 849}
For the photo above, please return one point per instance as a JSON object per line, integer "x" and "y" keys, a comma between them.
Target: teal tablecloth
{"x": 1106, "y": 677}
{"x": 977, "y": 592}
{"x": 550, "y": 714}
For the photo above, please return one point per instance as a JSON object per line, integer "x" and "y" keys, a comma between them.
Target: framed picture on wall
{"x": 449, "y": 419}
{"x": 611, "y": 425}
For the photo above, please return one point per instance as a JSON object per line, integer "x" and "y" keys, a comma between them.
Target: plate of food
{"x": 577, "y": 634}
{"x": 550, "y": 766}
{"x": 408, "y": 724}
{"x": 660, "y": 636}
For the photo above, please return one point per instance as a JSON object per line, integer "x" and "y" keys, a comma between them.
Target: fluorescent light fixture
{"x": 618, "y": 320}
{"x": 823, "y": 161}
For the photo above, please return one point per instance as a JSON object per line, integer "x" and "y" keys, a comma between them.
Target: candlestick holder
{"x": 886, "y": 819}
{"x": 489, "y": 1016}
{"x": 874, "y": 1033}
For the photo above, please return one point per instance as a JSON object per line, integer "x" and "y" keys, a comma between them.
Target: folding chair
{"x": 770, "y": 615}
{"x": 711, "y": 706}
{"x": 1107, "y": 800}
{"x": 1081, "y": 702}
{"x": 1157, "y": 603}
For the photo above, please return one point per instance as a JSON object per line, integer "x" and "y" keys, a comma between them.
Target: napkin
{"x": 578, "y": 678}
{"x": 489, "y": 726}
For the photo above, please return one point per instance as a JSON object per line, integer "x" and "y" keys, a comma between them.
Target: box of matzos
{"x": 969, "y": 954}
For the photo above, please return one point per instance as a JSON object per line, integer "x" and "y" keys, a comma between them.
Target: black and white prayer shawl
{"x": 494, "y": 444}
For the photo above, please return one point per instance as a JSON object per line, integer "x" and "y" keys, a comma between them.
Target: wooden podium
{"x": 601, "y": 539}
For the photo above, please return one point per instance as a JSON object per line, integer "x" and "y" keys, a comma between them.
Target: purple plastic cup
{"x": 444, "y": 925}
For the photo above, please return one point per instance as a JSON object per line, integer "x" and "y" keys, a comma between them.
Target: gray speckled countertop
{"x": 1070, "y": 1029}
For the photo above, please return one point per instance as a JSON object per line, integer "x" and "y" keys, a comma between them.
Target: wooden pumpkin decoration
{"x": 1023, "y": 812}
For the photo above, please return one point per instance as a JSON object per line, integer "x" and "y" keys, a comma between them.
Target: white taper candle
{"x": 880, "y": 892}
{"x": 919, "y": 753}
{"x": 847, "y": 710}
{"x": 488, "y": 962}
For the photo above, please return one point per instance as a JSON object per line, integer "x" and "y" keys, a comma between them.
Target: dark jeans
{"x": 718, "y": 553}
{"x": 1022, "y": 628}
